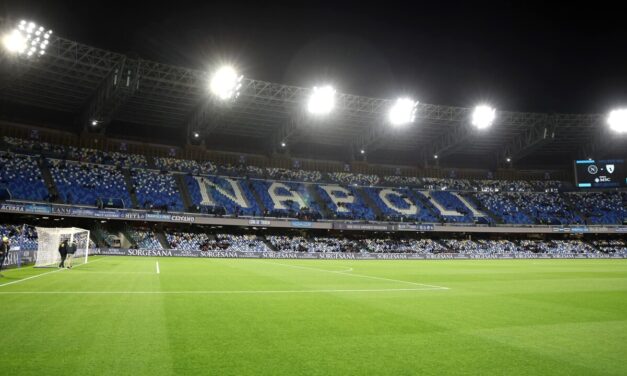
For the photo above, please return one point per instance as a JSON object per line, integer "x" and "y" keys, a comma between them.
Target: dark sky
{"x": 526, "y": 56}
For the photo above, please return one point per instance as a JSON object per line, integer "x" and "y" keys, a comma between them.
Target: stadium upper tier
{"x": 97, "y": 178}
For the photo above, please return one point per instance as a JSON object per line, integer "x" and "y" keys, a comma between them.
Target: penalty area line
{"x": 219, "y": 291}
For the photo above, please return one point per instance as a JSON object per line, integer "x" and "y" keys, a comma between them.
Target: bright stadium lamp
{"x": 322, "y": 100}
{"x": 225, "y": 83}
{"x": 402, "y": 112}
{"x": 617, "y": 120}
{"x": 483, "y": 116}
{"x": 27, "y": 39}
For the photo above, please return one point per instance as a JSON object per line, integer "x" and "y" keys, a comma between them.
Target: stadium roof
{"x": 91, "y": 83}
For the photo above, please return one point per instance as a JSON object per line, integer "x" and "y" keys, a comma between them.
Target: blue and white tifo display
{"x": 609, "y": 173}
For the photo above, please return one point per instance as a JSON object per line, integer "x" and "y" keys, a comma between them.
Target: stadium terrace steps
{"x": 98, "y": 237}
{"x": 130, "y": 187}
{"x": 325, "y": 211}
{"x": 160, "y": 235}
{"x": 48, "y": 180}
{"x": 440, "y": 242}
{"x": 182, "y": 187}
{"x": 257, "y": 197}
{"x": 269, "y": 244}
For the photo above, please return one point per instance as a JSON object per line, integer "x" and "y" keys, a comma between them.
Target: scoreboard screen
{"x": 608, "y": 173}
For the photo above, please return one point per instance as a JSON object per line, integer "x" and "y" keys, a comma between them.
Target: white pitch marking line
{"x": 158, "y": 267}
{"x": 217, "y": 291}
{"x": 31, "y": 277}
{"x": 42, "y": 274}
{"x": 363, "y": 276}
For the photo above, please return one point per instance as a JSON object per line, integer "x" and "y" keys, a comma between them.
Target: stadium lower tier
{"x": 213, "y": 238}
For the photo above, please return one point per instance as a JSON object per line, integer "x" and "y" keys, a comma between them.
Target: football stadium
{"x": 194, "y": 193}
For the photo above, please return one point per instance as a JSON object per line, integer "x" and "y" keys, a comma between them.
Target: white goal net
{"x": 50, "y": 239}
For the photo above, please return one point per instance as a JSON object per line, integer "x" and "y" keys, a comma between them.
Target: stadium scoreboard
{"x": 609, "y": 173}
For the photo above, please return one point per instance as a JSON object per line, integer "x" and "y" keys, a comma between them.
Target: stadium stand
{"x": 222, "y": 196}
{"x": 389, "y": 245}
{"x": 187, "y": 241}
{"x": 20, "y": 175}
{"x": 546, "y": 208}
{"x": 293, "y": 175}
{"x": 286, "y": 199}
{"x": 344, "y": 202}
{"x": 185, "y": 165}
{"x": 24, "y": 236}
{"x": 87, "y": 175}
{"x": 504, "y": 208}
{"x": 156, "y": 190}
{"x": 240, "y": 243}
{"x": 348, "y": 178}
{"x": 144, "y": 238}
{"x": 398, "y": 205}
{"x": 599, "y": 207}
{"x": 86, "y": 184}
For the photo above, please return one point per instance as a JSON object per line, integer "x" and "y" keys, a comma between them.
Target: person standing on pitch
{"x": 63, "y": 252}
{"x": 4, "y": 251}
{"x": 71, "y": 250}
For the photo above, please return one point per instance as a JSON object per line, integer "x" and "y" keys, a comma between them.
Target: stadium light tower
{"x": 225, "y": 83}
{"x": 322, "y": 100}
{"x": 483, "y": 116}
{"x": 402, "y": 112}
{"x": 27, "y": 39}
{"x": 617, "y": 120}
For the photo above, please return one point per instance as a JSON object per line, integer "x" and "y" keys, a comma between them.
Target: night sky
{"x": 525, "y": 57}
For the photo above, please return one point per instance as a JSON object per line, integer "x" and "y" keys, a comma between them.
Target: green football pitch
{"x": 119, "y": 316}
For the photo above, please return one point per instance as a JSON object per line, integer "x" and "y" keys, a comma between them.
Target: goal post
{"x": 49, "y": 239}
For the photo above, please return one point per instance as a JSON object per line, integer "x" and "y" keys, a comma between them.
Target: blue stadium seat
{"x": 84, "y": 184}
{"x": 156, "y": 189}
{"x": 21, "y": 176}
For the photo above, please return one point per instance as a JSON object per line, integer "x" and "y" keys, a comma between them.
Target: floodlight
{"x": 225, "y": 83}
{"x": 94, "y": 122}
{"x": 402, "y": 112}
{"x": 362, "y": 151}
{"x": 283, "y": 144}
{"x": 14, "y": 42}
{"x": 508, "y": 159}
{"x": 617, "y": 120}
{"x": 322, "y": 100}
{"x": 483, "y": 116}
{"x": 27, "y": 39}
{"x": 196, "y": 134}
{"x": 435, "y": 156}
